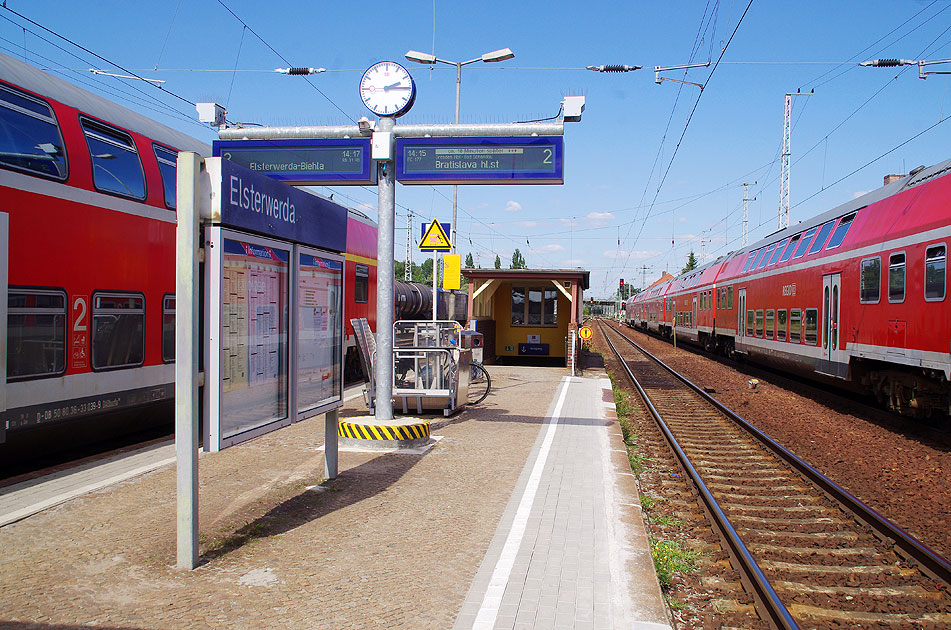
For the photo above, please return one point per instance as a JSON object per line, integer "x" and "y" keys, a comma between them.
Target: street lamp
{"x": 430, "y": 60}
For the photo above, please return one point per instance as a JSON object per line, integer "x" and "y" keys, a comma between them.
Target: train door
{"x": 4, "y": 277}
{"x": 693, "y": 322}
{"x": 741, "y": 314}
{"x": 831, "y": 355}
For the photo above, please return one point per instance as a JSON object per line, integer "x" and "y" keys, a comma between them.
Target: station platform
{"x": 524, "y": 514}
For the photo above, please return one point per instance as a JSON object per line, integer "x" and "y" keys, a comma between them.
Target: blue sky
{"x": 623, "y": 180}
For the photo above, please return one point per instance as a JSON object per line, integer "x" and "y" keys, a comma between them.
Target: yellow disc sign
{"x": 585, "y": 332}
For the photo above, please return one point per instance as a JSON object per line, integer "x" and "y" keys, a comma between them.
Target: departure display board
{"x": 481, "y": 160}
{"x": 303, "y": 162}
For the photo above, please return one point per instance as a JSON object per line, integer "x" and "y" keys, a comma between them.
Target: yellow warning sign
{"x": 585, "y": 332}
{"x": 435, "y": 239}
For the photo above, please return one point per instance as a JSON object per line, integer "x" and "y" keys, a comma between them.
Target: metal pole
{"x": 383, "y": 365}
{"x": 187, "y": 244}
{"x": 331, "y": 443}
{"x": 451, "y": 302}
{"x": 435, "y": 258}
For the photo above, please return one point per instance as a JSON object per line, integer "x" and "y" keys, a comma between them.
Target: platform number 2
{"x": 79, "y": 321}
{"x": 80, "y": 358}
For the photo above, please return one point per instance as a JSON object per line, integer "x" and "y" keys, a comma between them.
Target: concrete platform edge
{"x": 647, "y": 604}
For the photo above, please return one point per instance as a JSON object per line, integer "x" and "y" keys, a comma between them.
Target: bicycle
{"x": 479, "y": 383}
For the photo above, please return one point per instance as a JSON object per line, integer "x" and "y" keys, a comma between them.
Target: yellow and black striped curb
{"x": 418, "y": 431}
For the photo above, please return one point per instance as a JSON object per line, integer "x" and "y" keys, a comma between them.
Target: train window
{"x": 804, "y": 243}
{"x": 935, "y": 266}
{"x": 116, "y": 168}
{"x": 118, "y": 330}
{"x": 729, "y": 297}
{"x": 750, "y": 319}
{"x": 871, "y": 281}
{"x": 896, "y": 277}
{"x": 790, "y": 248}
{"x": 781, "y": 325}
{"x": 770, "y": 323}
{"x": 778, "y": 252}
{"x": 795, "y": 325}
{"x": 839, "y": 235}
{"x": 759, "y": 257}
{"x": 36, "y": 333}
{"x": 821, "y": 239}
{"x": 759, "y": 323}
{"x": 361, "y": 284}
{"x": 167, "y": 166}
{"x": 811, "y": 326}
{"x": 768, "y": 254}
{"x": 168, "y": 328}
{"x": 749, "y": 261}
{"x": 30, "y": 139}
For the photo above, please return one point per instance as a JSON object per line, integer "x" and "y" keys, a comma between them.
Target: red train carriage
{"x": 87, "y": 313}
{"x": 88, "y": 190}
{"x": 360, "y": 273}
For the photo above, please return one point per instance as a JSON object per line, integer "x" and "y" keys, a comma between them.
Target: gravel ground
{"x": 897, "y": 466}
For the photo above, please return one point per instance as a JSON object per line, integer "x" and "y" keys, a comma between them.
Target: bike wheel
{"x": 479, "y": 384}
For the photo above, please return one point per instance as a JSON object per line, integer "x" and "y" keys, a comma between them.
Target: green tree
{"x": 518, "y": 261}
{"x": 470, "y": 264}
{"x": 498, "y": 262}
{"x": 691, "y": 263}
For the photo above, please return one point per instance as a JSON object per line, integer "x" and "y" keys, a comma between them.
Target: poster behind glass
{"x": 320, "y": 342}
{"x": 254, "y": 291}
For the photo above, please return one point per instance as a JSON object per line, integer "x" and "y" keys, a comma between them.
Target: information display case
{"x": 273, "y": 307}
{"x": 319, "y": 282}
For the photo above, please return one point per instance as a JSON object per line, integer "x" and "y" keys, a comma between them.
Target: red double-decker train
{"x": 87, "y": 270}
{"x": 855, "y": 296}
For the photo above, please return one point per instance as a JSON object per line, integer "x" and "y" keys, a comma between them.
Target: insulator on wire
{"x": 887, "y": 63}
{"x": 614, "y": 68}
{"x": 299, "y": 71}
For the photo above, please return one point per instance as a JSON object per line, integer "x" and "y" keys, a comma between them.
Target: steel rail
{"x": 762, "y": 590}
{"x": 937, "y": 566}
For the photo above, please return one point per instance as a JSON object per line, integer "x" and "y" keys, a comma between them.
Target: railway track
{"x": 812, "y": 555}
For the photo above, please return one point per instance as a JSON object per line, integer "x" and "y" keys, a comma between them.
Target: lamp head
{"x": 420, "y": 57}
{"x": 498, "y": 55}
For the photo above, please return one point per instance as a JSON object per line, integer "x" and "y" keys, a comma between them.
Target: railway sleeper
{"x": 915, "y": 590}
{"x": 856, "y": 617}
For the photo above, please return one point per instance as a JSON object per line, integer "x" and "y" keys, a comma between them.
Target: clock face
{"x": 387, "y": 89}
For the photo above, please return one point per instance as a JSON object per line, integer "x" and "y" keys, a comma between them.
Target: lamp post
{"x": 430, "y": 60}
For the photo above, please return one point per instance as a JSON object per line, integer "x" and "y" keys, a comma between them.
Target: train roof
{"x": 917, "y": 177}
{"x": 40, "y": 82}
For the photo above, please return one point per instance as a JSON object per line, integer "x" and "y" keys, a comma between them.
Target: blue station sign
{"x": 255, "y": 202}
{"x": 482, "y": 160}
{"x": 316, "y": 162}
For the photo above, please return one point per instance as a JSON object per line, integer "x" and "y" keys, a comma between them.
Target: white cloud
{"x": 513, "y": 206}
{"x": 599, "y": 218}
{"x": 527, "y": 224}
{"x": 574, "y": 262}
{"x": 568, "y": 222}
{"x": 637, "y": 254}
{"x": 553, "y": 247}
{"x": 859, "y": 193}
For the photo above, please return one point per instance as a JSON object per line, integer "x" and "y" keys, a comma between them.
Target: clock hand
{"x": 395, "y": 86}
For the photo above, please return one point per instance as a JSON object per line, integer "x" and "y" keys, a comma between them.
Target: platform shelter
{"x": 527, "y": 313}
